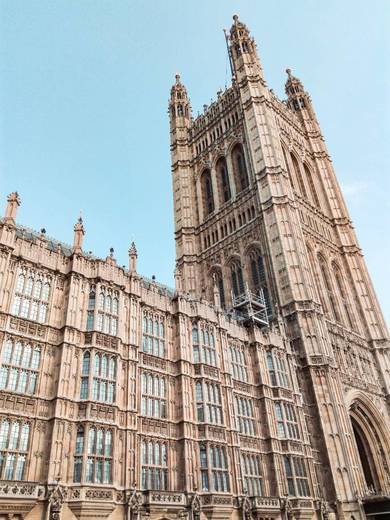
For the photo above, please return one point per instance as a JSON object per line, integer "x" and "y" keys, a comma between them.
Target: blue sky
{"x": 84, "y": 86}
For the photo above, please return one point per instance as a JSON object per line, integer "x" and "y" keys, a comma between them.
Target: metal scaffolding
{"x": 249, "y": 306}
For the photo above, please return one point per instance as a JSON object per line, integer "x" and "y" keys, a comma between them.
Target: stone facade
{"x": 258, "y": 389}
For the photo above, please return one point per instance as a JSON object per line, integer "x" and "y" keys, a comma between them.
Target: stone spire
{"x": 243, "y": 53}
{"x": 133, "y": 255}
{"x": 13, "y": 202}
{"x": 179, "y": 105}
{"x": 78, "y": 236}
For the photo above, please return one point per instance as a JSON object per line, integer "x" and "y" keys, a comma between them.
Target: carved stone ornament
{"x": 56, "y": 500}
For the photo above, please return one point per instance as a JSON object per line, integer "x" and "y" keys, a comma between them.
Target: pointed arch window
{"x": 207, "y": 192}
{"x": 214, "y": 469}
{"x": 259, "y": 279}
{"x": 343, "y": 295}
{"x": 218, "y": 280}
{"x": 237, "y": 279}
{"x": 298, "y": 175}
{"x": 153, "y": 396}
{"x": 32, "y": 291}
{"x": 245, "y": 415}
{"x": 154, "y": 465}
{"x": 312, "y": 187}
{"x": 98, "y": 377}
{"x": 93, "y": 457}
{"x": 239, "y": 168}
{"x": 153, "y": 334}
{"x": 328, "y": 288}
{"x": 14, "y": 440}
{"x": 203, "y": 344}
{"x": 252, "y": 474}
{"x": 103, "y": 316}
{"x": 223, "y": 180}
{"x": 20, "y": 363}
{"x": 291, "y": 178}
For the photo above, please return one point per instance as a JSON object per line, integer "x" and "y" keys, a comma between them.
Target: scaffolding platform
{"x": 251, "y": 307}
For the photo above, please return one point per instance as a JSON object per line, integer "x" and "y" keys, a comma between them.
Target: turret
{"x": 78, "y": 236}
{"x": 13, "y": 202}
{"x": 133, "y": 255}
{"x": 179, "y": 105}
{"x": 299, "y": 101}
{"x": 243, "y": 53}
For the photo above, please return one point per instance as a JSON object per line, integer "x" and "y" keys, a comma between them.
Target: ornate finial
{"x": 78, "y": 237}
{"x": 235, "y": 17}
{"x": 133, "y": 249}
{"x": 112, "y": 252}
{"x": 43, "y": 231}
{"x": 13, "y": 202}
{"x": 288, "y": 73}
{"x": 177, "y": 78}
{"x": 133, "y": 258}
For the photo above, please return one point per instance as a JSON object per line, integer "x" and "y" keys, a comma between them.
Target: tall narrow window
{"x": 214, "y": 469}
{"x": 252, "y": 474}
{"x": 207, "y": 191}
{"x": 203, "y": 345}
{"x": 20, "y": 363}
{"x": 291, "y": 177}
{"x": 277, "y": 369}
{"x": 296, "y": 475}
{"x": 312, "y": 187}
{"x": 287, "y": 424}
{"x": 343, "y": 295}
{"x": 91, "y": 309}
{"x": 245, "y": 415}
{"x": 14, "y": 440}
{"x": 208, "y": 402}
{"x": 299, "y": 177}
{"x": 238, "y": 363}
{"x": 259, "y": 279}
{"x": 218, "y": 281}
{"x": 223, "y": 180}
{"x": 107, "y": 311}
{"x": 154, "y": 396}
{"x": 153, "y": 336}
{"x": 237, "y": 279}
{"x": 32, "y": 292}
{"x": 239, "y": 168}
{"x": 103, "y": 377}
{"x": 99, "y": 456}
{"x": 154, "y": 465}
{"x": 328, "y": 288}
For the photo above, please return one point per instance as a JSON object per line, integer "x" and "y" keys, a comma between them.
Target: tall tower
{"x": 259, "y": 214}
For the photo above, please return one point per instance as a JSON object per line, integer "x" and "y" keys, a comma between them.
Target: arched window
{"x": 153, "y": 397}
{"x": 218, "y": 283}
{"x": 313, "y": 191}
{"x": 31, "y": 296}
{"x": 14, "y": 439}
{"x": 153, "y": 338}
{"x": 291, "y": 177}
{"x": 259, "y": 279}
{"x": 239, "y": 168}
{"x": 342, "y": 294}
{"x": 298, "y": 175}
{"x": 154, "y": 465}
{"x": 19, "y": 368}
{"x": 328, "y": 288}
{"x": 104, "y": 379}
{"x": 207, "y": 192}
{"x": 99, "y": 456}
{"x": 237, "y": 278}
{"x": 223, "y": 180}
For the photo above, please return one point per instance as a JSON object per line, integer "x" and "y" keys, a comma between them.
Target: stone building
{"x": 258, "y": 389}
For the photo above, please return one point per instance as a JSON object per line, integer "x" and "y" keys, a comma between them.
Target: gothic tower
{"x": 263, "y": 231}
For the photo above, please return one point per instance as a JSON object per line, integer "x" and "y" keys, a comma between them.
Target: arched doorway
{"x": 365, "y": 455}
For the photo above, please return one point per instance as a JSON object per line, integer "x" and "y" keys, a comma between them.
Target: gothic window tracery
{"x": 207, "y": 193}
{"x": 103, "y": 314}
{"x": 203, "y": 344}
{"x": 153, "y": 337}
{"x": 277, "y": 370}
{"x": 238, "y": 362}
{"x": 312, "y": 187}
{"x": 239, "y": 168}
{"x": 343, "y": 295}
{"x": 245, "y": 415}
{"x": 223, "y": 180}
{"x": 93, "y": 455}
{"x": 327, "y": 285}
{"x": 14, "y": 441}
{"x": 237, "y": 278}
{"x": 98, "y": 377}
{"x": 20, "y": 363}
{"x": 154, "y": 396}
{"x": 32, "y": 292}
{"x": 252, "y": 474}
{"x": 296, "y": 476}
{"x": 154, "y": 465}
{"x": 286, "y": 420}
{"x": 208, "y": 402}
{"x": 214, "y": 468}
{"x": 259, "y": 279}
{"x": 298, "y": 175}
